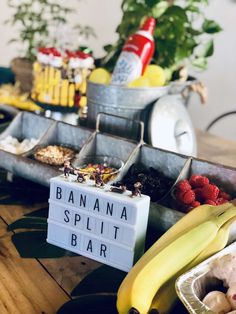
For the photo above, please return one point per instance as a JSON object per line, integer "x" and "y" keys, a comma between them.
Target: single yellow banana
{"x": 138, "y": 290}
{"x": 166, "y": 297}
{"x": 195, "y": 217}
{"x": 218, "y": 244}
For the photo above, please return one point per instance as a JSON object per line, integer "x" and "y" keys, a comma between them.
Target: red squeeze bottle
{"x": 136, "y": 54}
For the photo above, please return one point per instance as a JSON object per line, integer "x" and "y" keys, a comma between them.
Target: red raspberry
{"x": 195, "y": 204}
{"x": 210, "y": 202}
{"x": 193, "y": 180}
{"x": 198, "y": 194}
{"x": 220, "y": 201}
{"x": 183, "y": 186}
{"x": 201, "y": 181}
{"x": 178, "y": 194}
{"x": 224, "y": 195}
{"x": 210, "y": 192}
{"x": 197, "y": 181}
{"x": 186, "y": 197}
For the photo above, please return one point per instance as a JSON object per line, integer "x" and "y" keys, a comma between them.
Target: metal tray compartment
{"x": 24, "y": 126}
{"x": 171, "y": 165}
{"x": 192, "y": 286}
{"x": 59, "y": 134}
{"x": 28, "y": 125}
{"x": 67, "y": 135}
{"x": 224, "y": 177}
{"x": 101, "y": 144}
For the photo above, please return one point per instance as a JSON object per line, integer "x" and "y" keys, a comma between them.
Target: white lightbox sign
{"x": 97, "y": 223}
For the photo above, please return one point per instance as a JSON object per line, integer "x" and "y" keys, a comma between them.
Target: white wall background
{"x": 220, "y": 76}
{"x": 104, "y": 16}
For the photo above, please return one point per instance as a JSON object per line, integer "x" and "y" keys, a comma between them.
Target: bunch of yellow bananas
{"x": 150, "y": 285}
{"x": 12, "y": 96}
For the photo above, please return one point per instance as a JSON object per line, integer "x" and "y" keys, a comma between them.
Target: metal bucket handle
{"x": 139, "y": 123}
{"x": 197, "y": 87}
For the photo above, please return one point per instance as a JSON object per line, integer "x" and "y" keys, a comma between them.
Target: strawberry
{"x": 210, "y": 192}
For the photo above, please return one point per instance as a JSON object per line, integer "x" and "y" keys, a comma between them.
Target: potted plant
{"x": 182, "y": 33}
{"x": 38, "y": 22}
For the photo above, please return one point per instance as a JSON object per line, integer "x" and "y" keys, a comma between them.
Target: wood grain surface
{"x": 216, "y": 149}
{"x": 25, "y": 286}
{"x": 67, "y": 271}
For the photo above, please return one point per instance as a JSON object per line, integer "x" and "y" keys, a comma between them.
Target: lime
{"x": 140, "y": 82}
{"x": 155, "y": 74}
{"x": 100, "y": 76}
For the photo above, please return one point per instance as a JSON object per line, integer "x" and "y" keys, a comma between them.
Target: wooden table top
{"x": 216, "y": 149}
{"x": 42, "y": 285}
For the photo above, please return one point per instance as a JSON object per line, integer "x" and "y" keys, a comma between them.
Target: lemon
{"x": 155, "y": 74}
{"x": 140, "y": 82}
{"x": 100, "y": 76}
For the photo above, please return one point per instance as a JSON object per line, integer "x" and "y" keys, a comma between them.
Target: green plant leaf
{"x": 90, "y": 304}
{"x": 206, "y": 50}
{"x": 42, "y": 212}
{"x": 176, "y": 12}
{"x": 211, "y": 27}
{"x": 165, "y": 52}
{"x": 175, "y": 26}
{"x": 22, "y": 192}
{"x": 105, "y": 279}
{"x": 108, "y": 48}
{"x": 159, "y": 9}
{"x": 194, "y": 32}
{"x": 200, "y": 63}
{"x": 31, "y": 24}
{"x": 86, "y": 49}
{"x": 150, "y": 3}
{"x": 28, "y": 223}
{"x": 32, "y": 244}
{"x": 193, "y": 8}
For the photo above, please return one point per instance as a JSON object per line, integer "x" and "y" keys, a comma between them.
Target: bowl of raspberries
{"x": 196, "y": 191}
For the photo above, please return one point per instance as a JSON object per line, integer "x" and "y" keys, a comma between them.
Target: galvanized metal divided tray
{"x": 89, "y": 142}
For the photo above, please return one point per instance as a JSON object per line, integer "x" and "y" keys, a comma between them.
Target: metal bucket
{"x": 152, "y": 106}
{"x": 132, "y": 103}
